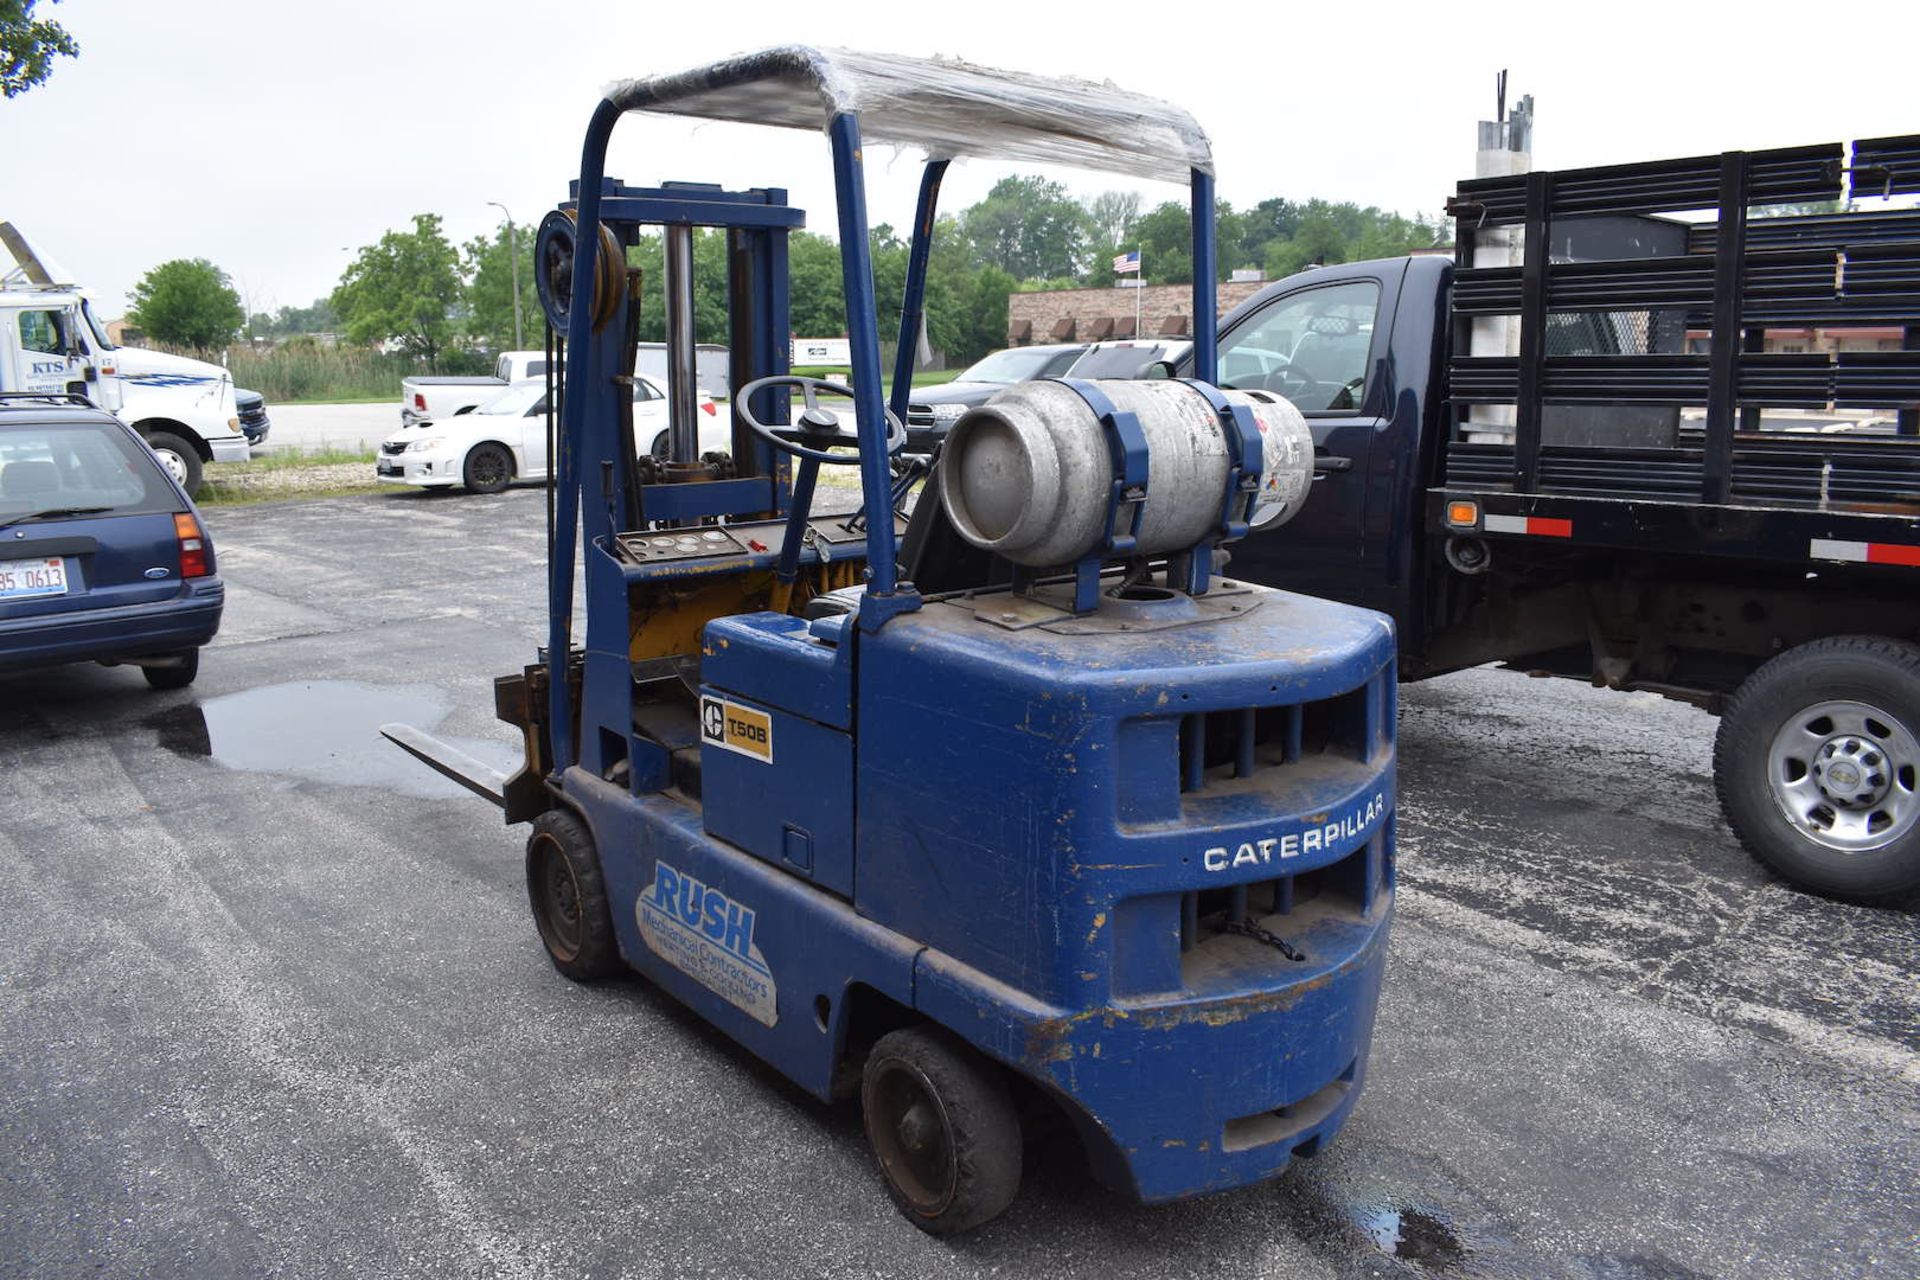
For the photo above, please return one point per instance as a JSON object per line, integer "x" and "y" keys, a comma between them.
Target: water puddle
{"x": 323, "y": 731}
{"x": 1415, "y": 1235}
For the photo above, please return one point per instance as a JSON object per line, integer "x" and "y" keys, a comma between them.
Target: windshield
{"x": 1017, "y": 364}
{"x": 49, "y": 465}
{"x": 1118, "y": 362}
{"x": 518, "y": 398}
{"x": 94, "y": 326}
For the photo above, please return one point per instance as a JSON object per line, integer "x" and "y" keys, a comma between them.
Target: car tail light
{"x": 193, "y": 546}
{"x": 420, "y": 401}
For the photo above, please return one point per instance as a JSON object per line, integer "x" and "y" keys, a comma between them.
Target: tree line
{"x": 416, "y": 290}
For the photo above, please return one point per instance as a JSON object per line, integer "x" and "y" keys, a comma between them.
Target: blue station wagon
{"x": 103, "y": 558}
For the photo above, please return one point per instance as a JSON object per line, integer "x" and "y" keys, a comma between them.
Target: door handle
{"x": 1326, "y": 463}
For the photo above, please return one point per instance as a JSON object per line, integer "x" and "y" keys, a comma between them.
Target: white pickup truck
{"x": 51, "y": 340}
{"x": 435, "y": 399}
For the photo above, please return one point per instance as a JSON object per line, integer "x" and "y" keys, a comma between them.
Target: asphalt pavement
{"x": 271, "y": 1002}
{"x": 309, "y": 428}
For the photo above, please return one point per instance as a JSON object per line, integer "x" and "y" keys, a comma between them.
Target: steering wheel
{"x": 819, "y": 429}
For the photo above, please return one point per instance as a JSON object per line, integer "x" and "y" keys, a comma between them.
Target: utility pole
{"x": 513, "y": 255}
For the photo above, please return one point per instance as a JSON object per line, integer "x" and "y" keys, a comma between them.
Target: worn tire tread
{"x": 599, "y": 955}
{"x": 986, "y": 1128}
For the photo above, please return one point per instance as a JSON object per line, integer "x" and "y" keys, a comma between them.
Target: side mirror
{"x": 1158, "y": 371}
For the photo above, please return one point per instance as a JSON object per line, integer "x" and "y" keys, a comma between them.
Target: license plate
{"x": 20, "y": 578}
{"x": 388, "y": 468}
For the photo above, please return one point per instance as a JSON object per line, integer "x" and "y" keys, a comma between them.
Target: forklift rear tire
{"x": 943, "y": 1130}
{"x": 569, "y": 897}
{"x": 488, "y": 469}
{"x": 1815, "y": 764}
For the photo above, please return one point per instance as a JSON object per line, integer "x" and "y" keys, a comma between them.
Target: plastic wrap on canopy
{"x": 949, "y": 108}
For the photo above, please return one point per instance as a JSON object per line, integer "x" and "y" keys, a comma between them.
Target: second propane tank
{"x": 1028, "y": 474}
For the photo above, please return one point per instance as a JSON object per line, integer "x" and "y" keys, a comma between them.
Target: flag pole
{"x": 1139, "y": 283}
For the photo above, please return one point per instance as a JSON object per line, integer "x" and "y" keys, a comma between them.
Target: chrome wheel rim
{"x": 1843, "y": 774}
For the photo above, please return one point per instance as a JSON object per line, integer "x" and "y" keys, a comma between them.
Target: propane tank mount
{"x": 1069, "y": 475}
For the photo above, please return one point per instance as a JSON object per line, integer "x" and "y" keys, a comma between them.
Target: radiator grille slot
{"x": 1343, "y": 888}
{"x": 1220, "y": 745}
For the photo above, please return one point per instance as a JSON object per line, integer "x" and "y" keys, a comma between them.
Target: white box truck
{"x": 51, "y": 340}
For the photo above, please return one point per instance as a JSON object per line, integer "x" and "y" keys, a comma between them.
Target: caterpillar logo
{"x": 737, "y": 728}
{"x": 1293, "y": 844}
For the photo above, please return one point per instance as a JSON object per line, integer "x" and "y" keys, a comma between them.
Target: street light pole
{"x": 513, "y": 255}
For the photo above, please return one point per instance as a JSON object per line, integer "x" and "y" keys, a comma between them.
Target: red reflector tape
{"x": 1864, "y": 552}
{"x": 1538, "y": 526}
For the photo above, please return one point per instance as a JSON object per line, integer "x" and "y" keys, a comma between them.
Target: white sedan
{"x": 505, "y": 439}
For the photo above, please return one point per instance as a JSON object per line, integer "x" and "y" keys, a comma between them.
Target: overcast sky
{"x": 274, "y": 138}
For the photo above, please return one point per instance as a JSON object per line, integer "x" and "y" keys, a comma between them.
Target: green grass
{"x": 925, "y": 378}
{"x": 309, "y": 372}
{"x": 213, "y": 494}
{"x": 285, "y": 477}
{"x": 288, "y": 460}
{"x": 303, "y": 370}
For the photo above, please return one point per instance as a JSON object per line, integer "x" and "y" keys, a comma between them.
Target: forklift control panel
{"x": 828, "y": 536}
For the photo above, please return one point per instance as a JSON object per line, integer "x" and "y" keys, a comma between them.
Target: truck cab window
{"x": 1310, "y": 347}
{"x": 42, "y": 331}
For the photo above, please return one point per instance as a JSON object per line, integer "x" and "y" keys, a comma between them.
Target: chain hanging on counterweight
{"x": 1248, "y": 929}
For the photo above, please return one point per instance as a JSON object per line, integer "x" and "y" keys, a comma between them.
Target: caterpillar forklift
{"x": 1012, "y": 805}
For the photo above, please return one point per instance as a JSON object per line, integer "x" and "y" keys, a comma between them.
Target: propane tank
{"x": 1028, "y": 474}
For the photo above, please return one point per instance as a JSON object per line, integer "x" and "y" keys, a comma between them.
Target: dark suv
{"x": 934, "y": 409}
{"x": 103, "y": 557}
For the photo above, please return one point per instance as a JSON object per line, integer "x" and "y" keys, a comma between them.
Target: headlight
{"x": 426, "y": 446}
{"x": 944, "y": 414}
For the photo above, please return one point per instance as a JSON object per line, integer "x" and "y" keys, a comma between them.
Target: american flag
{"x": 1125, "y": 262}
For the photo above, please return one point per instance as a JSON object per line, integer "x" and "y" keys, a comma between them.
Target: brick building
{"x": 1094, "y": 315}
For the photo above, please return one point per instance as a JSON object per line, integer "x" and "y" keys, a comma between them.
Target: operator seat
{"x": 935, "y": 558}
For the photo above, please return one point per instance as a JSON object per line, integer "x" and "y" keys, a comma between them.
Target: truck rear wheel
{"x": 569, "y": 897}
{"x": 181, "y": 460}
{"x": 1815, "y": 764}
{"x": 942, "y": 1129}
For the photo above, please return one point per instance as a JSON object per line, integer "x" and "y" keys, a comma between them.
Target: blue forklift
{"x": 994, "y": 798}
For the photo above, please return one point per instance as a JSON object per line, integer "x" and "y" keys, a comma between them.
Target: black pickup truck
{"x": 1639, "y": 492}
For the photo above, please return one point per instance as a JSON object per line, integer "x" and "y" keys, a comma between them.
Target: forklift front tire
{"x": 942, "y": 1128}
{"x": 569, "y": 897}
